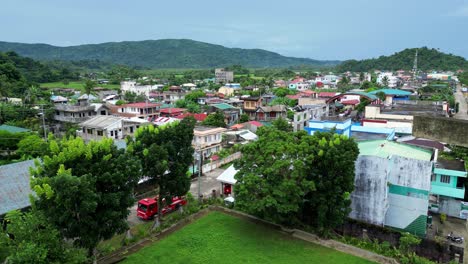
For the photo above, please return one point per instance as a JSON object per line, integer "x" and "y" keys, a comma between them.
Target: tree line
{"x": 83, "y": 192}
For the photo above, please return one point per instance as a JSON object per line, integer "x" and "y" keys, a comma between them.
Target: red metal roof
{"x": 171, "y": 110}
{"x": 237, "y": 126}
{"x": 140, "y": 105}
{"x": 256, "y": 123}
{"x": 326, "y": 94}
{"x": 350, "y": 102}
{"x": 198, "y": 117}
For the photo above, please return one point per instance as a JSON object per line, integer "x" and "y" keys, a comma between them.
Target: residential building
{"x": 143, "y": 110}
{"x": 134, "y": 87}
{"x": 207, "y": 140}
{"x": 172, "y": 111}
{"x": 392, "y": 95}
{"x": 114, "y": 127}
{"x": 170, "y": 97}
{"x": 223, "y": 76}
{"x": 304, "y": 113}
{"x": 231, "y": 114}
{"x": 392, "y": 81}
{"x": 250, "y": 106}
{"x": 392, "y": 185}
{"x": 448, "y": 188}
{"x": 400, "y": 114}
{"x": 340, "y": 125}
{"x": 76, "y": 113}
{"x": 270, "y": 113}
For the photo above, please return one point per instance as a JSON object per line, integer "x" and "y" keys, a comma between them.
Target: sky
{"x": 325, "y": 30}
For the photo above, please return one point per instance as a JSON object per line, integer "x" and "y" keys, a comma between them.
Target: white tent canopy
{"x": 228, "y": 176}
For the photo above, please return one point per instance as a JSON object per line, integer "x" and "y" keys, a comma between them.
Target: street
{"x": 208, "y": 183}
{"x": 462, "y": 108}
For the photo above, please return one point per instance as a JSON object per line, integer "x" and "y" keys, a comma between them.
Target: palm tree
{"x": 385, "y": 81}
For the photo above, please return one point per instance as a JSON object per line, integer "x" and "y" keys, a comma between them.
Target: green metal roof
{"x": 384, "y": 149}
{"x": 392, "y": 92}
{"x": 223, "y": 106}
{"x": 166, "y": 106}
{"x": 371, "y": 96}
{"x": 13, "y": 129}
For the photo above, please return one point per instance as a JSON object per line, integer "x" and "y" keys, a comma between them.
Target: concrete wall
{"x": 449, "y": 130}
{"x": 373, "y": 112}
{"x": 392, "y": 192}
{"x": 369, "y": 198}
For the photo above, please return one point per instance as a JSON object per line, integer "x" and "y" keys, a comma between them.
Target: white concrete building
{"x": 207, "y": 139}
{"x": 392, "y": 81}
{"x": 132, "y": 86}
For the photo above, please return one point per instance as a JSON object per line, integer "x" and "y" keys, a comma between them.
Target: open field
{"x": 76, "y": 85}
{"x": 220, "y": 238}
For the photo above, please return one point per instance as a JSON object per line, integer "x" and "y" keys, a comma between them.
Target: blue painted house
{"x": 448, "y": 188}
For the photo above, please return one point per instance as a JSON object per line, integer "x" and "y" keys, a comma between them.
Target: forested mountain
{"x": 428, "y": 59}
{"x": 18, "y": 73}
{"x": 164, "y": 53}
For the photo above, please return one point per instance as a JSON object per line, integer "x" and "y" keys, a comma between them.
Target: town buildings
{"x": 223, "y": 76}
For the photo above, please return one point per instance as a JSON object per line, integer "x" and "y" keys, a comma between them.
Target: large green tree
{"x": 31, "y": 238}
{"x": 165, "y": 153}
{"x": 292, "y": 178}
{"x": 85, "y": 190}
{"x": 215, "y": 119}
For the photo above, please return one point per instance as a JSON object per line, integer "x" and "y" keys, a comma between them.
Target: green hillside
{"x": 165, "y": 53}
{"x": 428, "y": 59}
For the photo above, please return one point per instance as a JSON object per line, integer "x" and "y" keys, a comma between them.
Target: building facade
{"x": 223, "y": 76}
{"x": 207, "y": 140}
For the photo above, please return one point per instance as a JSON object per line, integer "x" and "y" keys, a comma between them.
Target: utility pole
{"x": 200, "y": 164}
{"x": 43, "y": 122}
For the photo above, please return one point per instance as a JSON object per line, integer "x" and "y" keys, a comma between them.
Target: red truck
{"x": 148, "y": 207}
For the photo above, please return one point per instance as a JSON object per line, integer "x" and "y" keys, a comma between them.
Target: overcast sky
{"x": 327, "y": 29}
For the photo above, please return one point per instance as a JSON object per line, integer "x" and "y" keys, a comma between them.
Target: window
{"x": 445, "y": 179}
{"x": 131, "y": 129}
{"x": 433, "y": 178}
{"x": 112, "y": 133}
{"x": 99, "y": 132}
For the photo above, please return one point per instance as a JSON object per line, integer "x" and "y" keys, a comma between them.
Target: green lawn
{"x": 76, "y": 85}
{"x": 220, "y": 238}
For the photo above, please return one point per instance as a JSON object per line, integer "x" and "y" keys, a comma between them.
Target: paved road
{"x": 462, "y": 108}
{"x": 208, "y": 183}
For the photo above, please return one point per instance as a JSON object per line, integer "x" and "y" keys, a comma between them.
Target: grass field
{"x": 76, "y": 85}
{"x": 220, "y": 238}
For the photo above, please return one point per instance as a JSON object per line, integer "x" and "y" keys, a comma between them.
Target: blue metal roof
{"x": 392, "y": 92}
{"x": 14, "y": 186}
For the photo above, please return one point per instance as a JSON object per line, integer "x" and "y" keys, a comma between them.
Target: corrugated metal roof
{"x": 13, "y": 129}
{"x": 14, "y": 186}
{"x": 384, "y": 149}
{"x": 391, "y": 92}
{"x": 223, "y": 106}
{"x": 101, "y": 121}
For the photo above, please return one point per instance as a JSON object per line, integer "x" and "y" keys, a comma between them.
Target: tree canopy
{"x": 428, "y": 59}
{"x": 85, "y": 190}
{"x": 165, "y": 153}
{"x": 31, "y": 238}
{"x": 292, "y": 178}
{"x": 215, "y": 119}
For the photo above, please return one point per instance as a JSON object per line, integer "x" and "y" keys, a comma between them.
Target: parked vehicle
{"x": 148, "y": 207}
{"x": 456, "y": 239}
